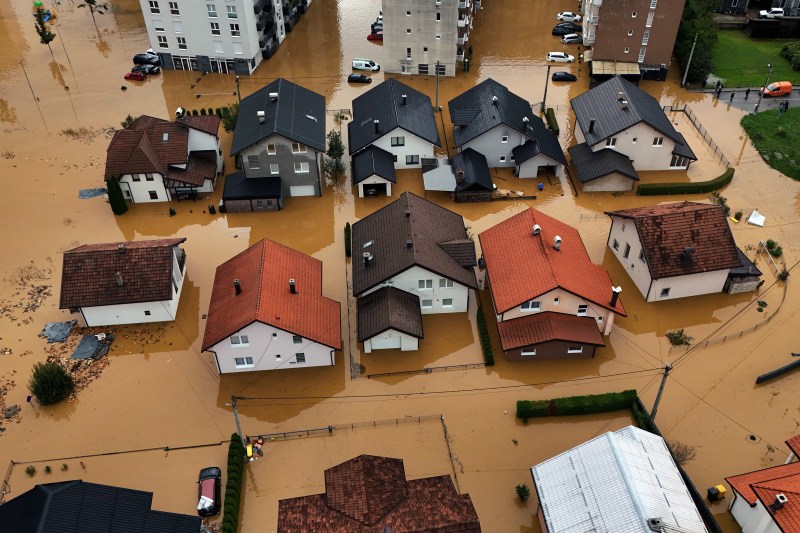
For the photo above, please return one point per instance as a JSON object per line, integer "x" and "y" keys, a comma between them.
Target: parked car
{"x": 376, "y": 26}
{"x": 572, "y": 38}
{"x": 563, "y": 76}
{"x": 778, "y": 88}
{"x": 359, "y": 63}
{"x": 375, "y": 36}
{"x": 560, "y": 57}
{"x": 146, "y": 59}
{"x": 208, "y": 491}
{"x": 137, "y": 76}
{"x": 567, "y": 27}
{"x": 568, "y": 16}
{"x": 146, "y": 69}
{"x": 359, "y": 78}
{"x": 773, "y": 13}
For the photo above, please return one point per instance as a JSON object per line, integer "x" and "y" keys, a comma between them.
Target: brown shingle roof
{"x": 369, "y": 493}
{"x": 196, "y": 172}
{"x": 522, "y": 266}
{"x": 264, "y": 271}
{"x": 426, "y": 226}
{"x": 149, "y": 145}
{"x": 389, "y": 308}
{"x": 667, "y": 230}
{"x": 207, "y": 124}
{"x": 88, "y": 276}
{"x": 548, "y": 326}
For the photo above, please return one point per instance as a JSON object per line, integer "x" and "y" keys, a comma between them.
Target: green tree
{"x": 523, "y": 492}
{"x": 50, "y": 383}
{"x": 698, "y": 19}
{"x": 43, "y": 30}
{"x": 332, "y": 164}
{"x": 229, "y": 120}
{"x": 94, "y": 7}
{"x": 115, "y": 197}
{"x": 128, "y": 121}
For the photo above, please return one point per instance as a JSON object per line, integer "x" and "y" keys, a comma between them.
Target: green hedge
{"x": 552, "y": 123}
{"x": 347, "y": 244}
{"x": 791, "y": 51}
{"x": 486, "y": 341}
{"x": 653, "y": 189}
{"x": 576, "y": 405}
{"x": 233, "y": 487}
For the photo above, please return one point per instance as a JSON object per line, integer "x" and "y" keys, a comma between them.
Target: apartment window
{"x": 232, "y": 12}
{"x": 641, "y": 257}
{"x": 438, "y": 35}
{"x": 531, "y": 306}
{"x": 642, "y": 52}
{"x": 278, "y": 357}
{"x": 273, "y": 168}
{"x": 301, "y": 168}
{"x": 616, "y": 245}
{"x": 240, "y": 340}
{"x": 149, "y": 177}
{"x": 627, "y": 50}
{"x": 177, "y": 26}
{"x": 154, "y": 6}
{"x": 412, "y": 160}
{"x": 502, "y": 159}
{"x": 646, "y": 37}
{"x": 243, "y": 362}
{"x": 654, "y": 3}
{"x": 630, "y": 33}
{"x": 526, "y": 352}
{"x": 300, "y": 357}
{"x": 408, "y": 13}
{"x": 556, "y": 301}
{"x": 445, "y": 283}
{"x": 136, "y": 177}
{"x": 173, "y": 8}
{"x": 297, "y": 339}
{"x": 252, "y": 162}
{"x": 665, "y": 292}
{"x": 441, "y": 70}
{"x": 627, "y": 251}
{"x": 218, "y": 47}
{"x": 633, "y": 15}
{"x": 424, "y": 48}
{"x": 611, "y": 141}
{"x": 162, "y": 41}
{"x": 235, "y": 30}
{"x": 423, "y": 69}
{"x": 158, "y": 25}
{"x": 408, "y": 32}
{"x": 212, "y": 10}
{"x": 237, "y": 48}
{"x": 504, "y": 139}
{"x": 182, "y": 43}
{"x": 398, "y": 141}
{"x": 650, "y": 17}
{"x": 153, "y": 195}
{"x": 215, "y": 28}
{"x": 658, "y": 141}
{"x": 408, "y": 50}
{"x": 427, "y": 304}
{"x": 271, "y": 149}
{"x": 299, "y": 148}
{"x": 438, "y": 17}
{"x": 447, "y": 302}
{"x": 425, "y": 284}
{"x": 575, "y": 349}
{"x": 583, "y": 309}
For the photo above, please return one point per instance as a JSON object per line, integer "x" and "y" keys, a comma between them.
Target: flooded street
{"x": 161, "y": 391}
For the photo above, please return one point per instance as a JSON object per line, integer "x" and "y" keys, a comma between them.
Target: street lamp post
{"x": 761, "y": 93}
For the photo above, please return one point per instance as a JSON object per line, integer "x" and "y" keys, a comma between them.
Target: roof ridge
{"x": 260, "y": 276}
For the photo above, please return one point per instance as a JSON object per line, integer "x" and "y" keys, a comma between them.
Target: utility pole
{"x": 667, "y": 368}
{"x": 761, "y": 93}
{"x": 689, "y": 63}
{"x": 236, "y": 413}
{"x": 437, "y": 86}
{"x": 546, "y": 82}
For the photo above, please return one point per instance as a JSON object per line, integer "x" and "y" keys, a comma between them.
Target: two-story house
{"x": 418, "y": 247}
{"x": 124, "y": 282}
{"x": 156, "y": 160}
{"x": 678, "y": 250}
{"x": 550, "y": 300}
{"x": 267, "y": 312}
{"x": 278, "y": 143}
{"x": 617, "y": 115}
{"x": 396, "y": 118}
{"x": 502, "y": 126}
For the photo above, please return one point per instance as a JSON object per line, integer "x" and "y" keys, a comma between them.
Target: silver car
{"x": 572, "y": 38}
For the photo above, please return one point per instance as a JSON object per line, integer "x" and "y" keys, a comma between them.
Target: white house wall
{"x": 407, "y": 342}
{"x": 491, "y": 145}
{"x": 561, "y": 301}
{"x": 613, "y": 182}
{"x": 644, "y": 155}
{"x": 413, "y": 146}
{"x": 140, "y": 190}
{"x": 691, "y": 285}
{"x": 374, "y": 180}
{"x": 109, "y": 315}
{"x": 265, "y": 348}
{"x": 200, "y": 141}
{"x": 752, "y": 519}
{"x": 409, "y": 281}
{"x": 530, "y": 168}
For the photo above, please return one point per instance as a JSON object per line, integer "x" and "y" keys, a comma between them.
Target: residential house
{"x": 550, "y": 300}
{"x": 370, "y": 493}
{"x": 633, "y": 33}
{"x": 373, "y": 172}
{"x": 280, "y": 134}
{"x": 678, "y": 250}
{"x": 389, "y": 319}
{"x": 502, "y": 126}
{"x": 396, "y": 118}
{"x": 79, "y": 506}
{"x": 617, "y": 115}
{"x": 267, "y": 312}
{"x": 124, "y": 282}
{"x": 465, "y": 176}
{"x": 155, "y": 160}
{"x": 624, "y": 480}
{"x": 603, "y": 170}
{"x": 768, "y": 500}
{"x": 421, "y": 36}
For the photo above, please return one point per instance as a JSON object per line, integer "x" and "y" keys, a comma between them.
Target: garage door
{"x": 386, "y": 343}
{"x": 302, "y": 190}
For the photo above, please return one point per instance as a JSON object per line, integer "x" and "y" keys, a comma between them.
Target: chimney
{"x": 367, "y": 258}
{"x": 655, "y": 524}
{"x": 409, "y": 244}
{"x": 237, "y": 286}
{"x": 377, "y": 125}
{"x": 623, "y": 104}
{"x": 459, "y": 175}
{"x": 494, "y": 100}
{"x": 620, "y": 95}
{"x": 179, "y": 113}
{"x": 292, "y": 286}
{"x": 274, "y": 96}
{"x": 537, "y": 229}
{"x": 405, "y": 99}
{"x": 408, "y": 212}
{"x": 557, "y": 243}
{"x": 614, "y": 295}
{"x": 118, "y": 279}
{"x": 121, "y": 248}
{"x": 261, "y": 116}
{"x": 780, "y": 501}
{"x": 591, "y": 125}
{"x": 525, "y": 120}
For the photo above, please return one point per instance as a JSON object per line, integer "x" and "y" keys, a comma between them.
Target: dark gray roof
{"x": 592, "y": 165}
{"x": 544, "y": 142}
{"x": 240, "y": 187}
{"x": 384, "y": 103}
{"x": 476, "y": 175}
{"x": 602, "y": 104}
{"x": 373, "y": 160}
{"x": 474, "y": 112}
{"x": 462, "y": 251}
{"x": 79, "y": 507}
{"x": 287, "y": 116}
{"x": 426, "y": 225}
{"x": 389, "y": 308}
{"x": 748, "y": 268}
{"x": 682, "y": 148}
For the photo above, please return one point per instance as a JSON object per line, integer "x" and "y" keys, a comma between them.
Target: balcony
{"x": 460, "y": 55}
{"x": 461, "y": 40}
{"x": 463, "y": 21}
{"x": 258, "y": 6}
{"x": 597, "y": 2}
{"x": 464, "y": 5}
{"x": 588, "y": 38}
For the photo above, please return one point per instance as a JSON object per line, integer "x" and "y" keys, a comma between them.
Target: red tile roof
{"x": 368, "y": 493}
{"x": 88, "y": 276}
{"x": 522, "y": 266}
{"x": 264, "y": 271}
{"x": 764, "y": 485}
{"x": 548, "y": 326}
{"x": 794, "y": 444}
{"x": 149, "y": 145}
{"x": 743, "y": 482}
{"x": 666, "y": 230}
{"x": 207, "y": 124}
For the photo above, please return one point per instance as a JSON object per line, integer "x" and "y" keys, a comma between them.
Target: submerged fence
{"x": 331, "y": 429}
{"x": 686, "y": 110}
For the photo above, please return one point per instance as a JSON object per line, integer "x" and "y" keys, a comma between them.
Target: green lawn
{"x": 776, "y": 139}
{"x": 742, "y": 61}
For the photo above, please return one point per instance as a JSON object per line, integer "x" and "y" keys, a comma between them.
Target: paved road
{"x": 749, "y": 104}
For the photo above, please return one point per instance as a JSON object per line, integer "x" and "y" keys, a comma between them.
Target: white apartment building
{"x": 418, "y": 34}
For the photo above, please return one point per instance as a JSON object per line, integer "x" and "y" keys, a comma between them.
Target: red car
{"x": 377, "y": 36}
{"x": 138, "y": 76}
{"x": 208, "y": 491}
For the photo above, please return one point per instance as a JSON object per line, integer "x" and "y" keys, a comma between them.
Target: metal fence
{"x": 331, "y": 429}
{"x": 428, "y": 370}
{"x": 701, "y": 130}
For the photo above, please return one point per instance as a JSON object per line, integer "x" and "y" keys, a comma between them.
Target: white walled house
{"x": 373, "y": 172}
{"x": 675, "y": 250}
{"x": 497, "y": 123}
{"x": 267, "y": 312}
{"x": 124, "y": 282}
{"x": 155, "y": 160}
{"x": 396, "y": 118}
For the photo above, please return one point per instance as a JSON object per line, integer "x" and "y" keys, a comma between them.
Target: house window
{"x": 408, "y": 13}
{"x": 646, "y": 37}
{"x": 599, "y": 320}
{"x": 297, "y": 339}
{"x": 441, "y": 69}
{"x": 583, "y": 309}
{"x": 438, "y": 35}
{"x": 408, "y": 52}
{"x": 556, "y": 300}
{"x": 654, "y": 3}
{"x": 616, "y": 245}
{"x": 395, "y": 158}
{"x": 630, "y": 33}
{"x": 240, "y": 340}
{"x": 368, "y": 244}
{"x": 232, "y": 12}
{"x": 300, "y": 357}
{"x": 650, "y": 17}
{"x": 627, "y": 250}
{"x": 642, "y": 53}
{"x": 408, "y": 32}
{"x": 301, "y": 168}
{"x": 658, "y": 141}
{"x": 136, "y": 177}
{"x": 149, "y": 177}
{"x": 299, "y": 148}
{"x": 665, "y": 292}
{"x": 633, "y": 15}
{"x": 504, "y": 139}
{"x": 154, "y": 6}
{"x": 237, "y": 48}
{"x": 243, "y": 362}
{"x": 427, "y": 304}
{"x": 423, "y": 69}
{"x": 445, "y": 283}
{"x": 425, "y": 285}
{"x": 158, "y": 25}
{"x": 641, "y": 257}
{"x": 153, "y": 195}
{"x": 271, "y": 149}
{"x": 162, "y": 41}
{"x": 212, "y": 10}
{"x": 528, "y": 352}
{"x": 633, "y": 141}
{"x": 173, "y": 8}
{"x": 182, "y": 43}
{"x": 438, "y": 17}
{"x": 252, "y": 162}
{"x": 412, "y": 160}
{"x": 235, "y": 30}
{"x": 273, "y": 168}
{"x": 177, "y": 26}
{"x": 398, "y": 141}
{"x": 611, "y": 141}
{"x": 447, "y": 302}
{"x": 218, "y": 47}
{"x": 531, "y": 306}
{"x": 679, "y": 161}
{"x": 575, "y": 349}
{"x": 502, "y": 159}
{"x": 147, "y": 313}
{"x": 215, "y": 28}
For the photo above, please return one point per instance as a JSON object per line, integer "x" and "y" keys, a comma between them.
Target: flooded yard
{"x": 160, "y": 390}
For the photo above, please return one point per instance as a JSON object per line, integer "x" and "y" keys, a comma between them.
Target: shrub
{"x": 194, "y": 112}
{"x": 50, "y": 383}
{"x": 210, "y": 111}
{"x": 47, "y": 469}
{"x": 523, "y": 492}
{"x": 791, "y": 51}
{"x": 203, "y": 111}
{"x": 532, "y": 408}
{"x": 681, "y": 452}
{"x": 654, "y": 189}
{"x": 128, "y": 121}
{"x": 678, "y": 337}
{"x": 347, "y": 244}
{"x": 642, "y": 418}
{"x": 776, "y": 252}
{"x": 233, "y": 486}
{"x": 226, "y": 112}
{"x": 576, "y": 405}
{"x": 218, "y": 112}
{"x": 64, "y": 467}
{"x": 784, "y": 274}
{"x": 115, "y": 197}
{"x": 30, "y": 470}
{"x": 230, "y": 115}
{"x": 212, "y": 210}
{"x": 486, "y": 340}
{"x": 771, "y": 244}
{"x": 172, "y": 211}
{"x": 552, "y": 123}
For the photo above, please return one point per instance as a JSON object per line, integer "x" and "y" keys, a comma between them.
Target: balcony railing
{"x": 464, "y": 5}
{"x": 597, "y": 2}
{"x": 460, "y": 55}
{"x": 461, "y": 40}
{"x": 462, "y": 22}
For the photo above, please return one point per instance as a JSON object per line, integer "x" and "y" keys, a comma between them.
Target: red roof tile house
{"x": 267, "y": 312}
{"x": 678, "y": 250}
{"x": 156, "y": 160}
{"x": 768, "y": 500}
{"x": 550, "y": 300}
{"x": 370, "y": 494}
{"x": 124, "y": 282}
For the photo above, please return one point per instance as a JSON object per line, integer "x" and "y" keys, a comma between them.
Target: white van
{"x": 365, "y": 64}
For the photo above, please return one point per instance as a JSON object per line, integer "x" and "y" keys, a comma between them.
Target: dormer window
{"x": 531, "y": 306}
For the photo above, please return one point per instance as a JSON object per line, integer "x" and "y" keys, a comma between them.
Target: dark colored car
{"x": 146, "y": 69}
{"x": 146, "y": 59}
{"x": 137, "y": 76}
{"x": 359, "y": 78}
{"x": 564, "y": 76}
{"x": 376, "y": 26}
{"x": 567, "y": 27}
{"x": 208, "y": 491}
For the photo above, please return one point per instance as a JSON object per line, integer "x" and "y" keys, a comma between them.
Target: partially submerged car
{"x": 146, "y": 69}
{"x": 567, "y": 27}
{"x": 377, "y": 36}
{"x": 563, "y": 76}
{"x": 136, "y": 76}
{"x": 572, "y": 38}
{"x": 209, "y": 485}
{"x": 568, "y": 16}
{"x": 147, "y": 59}
{"x": 560, "y": 57}
{"x": 359, "y": 78}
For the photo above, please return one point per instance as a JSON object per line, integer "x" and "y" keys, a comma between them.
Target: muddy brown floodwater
{"x": 57, "y": 114}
